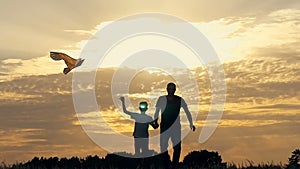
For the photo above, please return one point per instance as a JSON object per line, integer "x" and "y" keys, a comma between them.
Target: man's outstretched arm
{"x": 188, "y": 115}
{"x": 156, "y": 114}
{"x": 157, "y": 109}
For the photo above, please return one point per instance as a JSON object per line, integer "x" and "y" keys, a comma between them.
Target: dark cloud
{"x": 37, "y": 112}
{"x": 279, "y": 106}
{"x": 288, "y": 52}
{"x": 262, "y": 79}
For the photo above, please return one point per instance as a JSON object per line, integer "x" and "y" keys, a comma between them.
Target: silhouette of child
{"x": 141, "y": 126}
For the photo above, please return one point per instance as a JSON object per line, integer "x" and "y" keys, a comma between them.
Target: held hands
{"x": 155, "y": 125}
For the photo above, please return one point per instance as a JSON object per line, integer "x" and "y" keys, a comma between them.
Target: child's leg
{"x": 145, "y": 146}
{"x": 137, "y": 146}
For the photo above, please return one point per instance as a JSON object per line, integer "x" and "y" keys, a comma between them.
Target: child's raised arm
{"x": 124, "y": 107}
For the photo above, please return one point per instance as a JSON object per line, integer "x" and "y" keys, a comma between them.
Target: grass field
{"x": 194, "y": 160}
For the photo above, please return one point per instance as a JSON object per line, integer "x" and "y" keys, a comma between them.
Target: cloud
{"x": 80, "y": 32}
{"x": 274, "y": 35}
{"x": 20, "y": 137}
{"x": 26, "y": 34}
{"x": 284, "y": 15}
{"x": 41, "y": 126}
{"x": 37, "y": 66}
{"x": 277, "y": 33}
{"x": 261, "y": 106}
{"x": 279, "y": 106}
{"x": 259, "y": 144}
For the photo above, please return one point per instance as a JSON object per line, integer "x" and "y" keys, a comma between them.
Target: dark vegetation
{"x": 194, "y": 160}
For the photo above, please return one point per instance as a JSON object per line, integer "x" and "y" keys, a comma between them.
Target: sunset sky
{"x": 257, "y": 42}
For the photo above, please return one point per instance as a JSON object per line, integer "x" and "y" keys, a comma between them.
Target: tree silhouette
{"x": 204, "y": 159}
{"x": 92, "y": 162}
{"x": 294, "y": 160}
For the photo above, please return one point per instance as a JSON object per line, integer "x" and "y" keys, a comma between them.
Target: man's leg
{"x": 176, "y": 143}
{"x": 164, "y": 138}
{"x": 176, "y": 153}
{"x": 164, "y": 143}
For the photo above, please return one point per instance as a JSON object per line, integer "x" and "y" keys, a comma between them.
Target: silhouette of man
{"x": 141, "y": 126}
{"x": 170, "y": 127}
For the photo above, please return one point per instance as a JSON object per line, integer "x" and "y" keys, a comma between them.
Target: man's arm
{"x": 156, "y": 114}
{"x": 157, "y": 110}
{"x": 155, "y": 124}
{"x": 124, "y": 107}
{"x": 188, "y": 114}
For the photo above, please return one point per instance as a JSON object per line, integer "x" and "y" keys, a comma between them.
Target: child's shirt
{"x": 141, "y": 125}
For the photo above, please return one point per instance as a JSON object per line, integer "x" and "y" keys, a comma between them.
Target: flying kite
{"x": 70, "y": 62}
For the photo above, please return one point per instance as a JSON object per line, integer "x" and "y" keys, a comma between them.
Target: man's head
{"x": 171, "y": 88}
{"x": 143, "y": 106}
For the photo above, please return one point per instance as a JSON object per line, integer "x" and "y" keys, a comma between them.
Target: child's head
{"x": 143, "y": 106}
